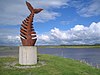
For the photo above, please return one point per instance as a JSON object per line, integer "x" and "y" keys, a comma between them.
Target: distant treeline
{"x": 81, "y": 45}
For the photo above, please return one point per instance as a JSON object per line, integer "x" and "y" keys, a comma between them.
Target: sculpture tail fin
{"x": 29, "y": 6}
{"x": 32, "y": 10}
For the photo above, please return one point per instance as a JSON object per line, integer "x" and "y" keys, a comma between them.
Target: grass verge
{"x": 54, "y": 65}
{"x": 71, "y": 46}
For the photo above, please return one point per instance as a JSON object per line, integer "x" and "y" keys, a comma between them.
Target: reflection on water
{"x": 89, "y": 55}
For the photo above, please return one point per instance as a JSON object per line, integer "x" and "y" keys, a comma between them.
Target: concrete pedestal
{"x": 27, "y": 55}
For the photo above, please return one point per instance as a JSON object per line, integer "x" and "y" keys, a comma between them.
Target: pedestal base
{"x": 27, "y": 55}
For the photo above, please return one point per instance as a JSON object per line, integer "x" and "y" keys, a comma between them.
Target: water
{"x": 88, "y": 55}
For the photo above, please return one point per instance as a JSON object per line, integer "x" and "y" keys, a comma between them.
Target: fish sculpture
{"x": 27, "y": 32}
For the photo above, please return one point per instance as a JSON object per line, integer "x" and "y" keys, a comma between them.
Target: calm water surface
{"x": 89, "y": 55}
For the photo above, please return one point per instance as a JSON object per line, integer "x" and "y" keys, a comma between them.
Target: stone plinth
{"x": 27, "y": 55}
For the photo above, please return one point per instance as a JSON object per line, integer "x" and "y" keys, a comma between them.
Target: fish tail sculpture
{"x": 27, "y": 33}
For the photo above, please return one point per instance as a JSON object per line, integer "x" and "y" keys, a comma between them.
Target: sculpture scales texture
{"x": 27, "y": 33}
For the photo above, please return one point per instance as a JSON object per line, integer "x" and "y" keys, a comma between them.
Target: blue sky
{"x": 67, "y": 22}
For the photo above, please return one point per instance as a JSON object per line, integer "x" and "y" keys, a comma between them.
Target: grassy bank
{"x": 53, "y": 66}
{"x": 72, "y": 46}
{"x": 15, "y": 48}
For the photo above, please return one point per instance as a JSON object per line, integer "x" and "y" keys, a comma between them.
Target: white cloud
{"x": 12, "y": 12}
{"x": 44, "y": 38}
{"x": 88, "y": 8}
{"x": 13, "y": 38}
{"x": 91, "y": 10}
{"x": 46, "y": 16}
{"x": 79, "y": 28}
{"x": 67, "y": 22}
{"x": 10, "y": 40}
{"x": 77, "y": 35}
{"x": 9, "y": 35}
{"x": 49, "y": 3}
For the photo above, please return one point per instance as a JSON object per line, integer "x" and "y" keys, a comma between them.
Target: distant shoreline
{"x": 61, "y": 46}
{"x": 70, "y": 46}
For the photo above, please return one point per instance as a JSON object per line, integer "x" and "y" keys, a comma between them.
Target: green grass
{"x": 53, "y": 66}
{"x": 71, "y": 46}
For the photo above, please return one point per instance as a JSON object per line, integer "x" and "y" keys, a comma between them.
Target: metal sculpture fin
{"x": 32, "y": 10}
{"x": 29, "y": 6}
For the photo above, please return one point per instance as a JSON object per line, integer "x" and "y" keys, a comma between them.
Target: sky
{"x": 62, "y": 22}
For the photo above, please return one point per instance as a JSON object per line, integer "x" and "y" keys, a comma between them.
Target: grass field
{"x": 71, "y": 46}
{"x": 53, "y": 66}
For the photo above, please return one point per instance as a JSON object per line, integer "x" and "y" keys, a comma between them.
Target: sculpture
{"x": 27, "y": 33}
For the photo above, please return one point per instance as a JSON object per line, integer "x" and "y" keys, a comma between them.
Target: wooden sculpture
{"x": 27, "y": 33}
